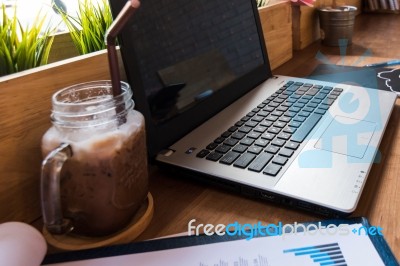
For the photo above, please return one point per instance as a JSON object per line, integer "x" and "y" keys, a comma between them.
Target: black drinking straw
{"x": 111, "y": 35}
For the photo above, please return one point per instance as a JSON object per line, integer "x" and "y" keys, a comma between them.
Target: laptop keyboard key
{"x": 250, "y": 114}
{"x": 320, "y": 96}
{"x": 274, "y": 130}
{"x": 284, "y": 136}
{"x": 282, "y": 108}
{"x": 226, "y": 134}
{"x": 257, "y": 118}
{"x": 299, "y": 119}
{"x": 273, "y": 104}
{"x": 287, "y": 104}
{"x": 295, "y": 124}
{"x": 219, "y": 140}
{"x": 229, "y": 158}
{"x": 245, "y": 129}
{"x": 311, "y": 105}
{"x": 266, "y": 123}
{"x": 277, "y": 113}
{"x": 272, "y": 149}
{"x": 286, "y": 152}
{"x": 290, "y": 114}
{"x": 272, "y": 118}
{"x": 278, "y": 142}
{"x": 285, "y": 119}
{"x": 312, "y": 92}
{"x": 244, "y": 160}
{"x": 303, "y": 131}
{"x": 294, "y": 109}
{"x": 202, "y": 153}
{"x": 303, "y": 101}
{"x": 279, "y": 124}
{"x": 268, "y": 136}
{"x": 240, "y": 148}
{"x": 289, "y": 130}
{"x": 223, "y": 148}
{"x": 239, "y": 123}
{"x": 292, "y": 145}
{"x": 304, "y": 113}
{"x": 214, "y": 156}
{"x": 238, "y": 135}
{"x": 261, "y": 142}
{"x": 290, "y": 82}
{"x": 323, "y": 106}
{"x": 254, "y": 135}
{"x": 251, "y": 124}
{"x": 260, "y": 162}
{"x": 308, "y": 109}
{"x": 263, "y": 113}
{"x": 320, "y": 111}
{"x": 231, "y": 142}
{"x": 316, "y": 101}
{"x": 272, "y": 169}
{"x": 255, "y": 149}
{"x": 260, "y": 129}
{"x": 247, "y": 141}
{"x": 232, "y": 129}
{"x": 211, "y": 146}
{"x": 333, "y": 97}
{"x": 269, "y": 109}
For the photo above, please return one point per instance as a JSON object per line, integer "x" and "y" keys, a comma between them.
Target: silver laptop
{"x": 200, "y": 75}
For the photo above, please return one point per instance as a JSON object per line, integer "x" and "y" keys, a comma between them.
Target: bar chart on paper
{"x": 257, "y": 260}
{"x": 328, "y": 254}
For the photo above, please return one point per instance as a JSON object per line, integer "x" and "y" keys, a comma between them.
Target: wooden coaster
{"x": 134, "y": 229}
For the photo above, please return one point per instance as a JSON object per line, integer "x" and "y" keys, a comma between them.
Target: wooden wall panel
{"x": 25, "y": 104}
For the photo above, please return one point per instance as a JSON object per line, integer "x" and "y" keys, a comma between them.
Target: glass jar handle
{"x": 50, "y": 190}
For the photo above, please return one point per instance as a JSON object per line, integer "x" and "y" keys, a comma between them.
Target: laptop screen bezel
{"x": 163, "y": 135}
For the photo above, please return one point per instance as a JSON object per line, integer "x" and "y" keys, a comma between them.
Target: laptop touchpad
{"x": 347, "y": 136}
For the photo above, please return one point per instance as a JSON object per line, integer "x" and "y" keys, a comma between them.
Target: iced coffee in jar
{"x": 94, "y": 175}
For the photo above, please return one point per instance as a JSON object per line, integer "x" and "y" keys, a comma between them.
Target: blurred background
{"x": 28, "y": 10}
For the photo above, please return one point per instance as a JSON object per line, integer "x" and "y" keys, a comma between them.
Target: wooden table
{"x": 178, "y": 200}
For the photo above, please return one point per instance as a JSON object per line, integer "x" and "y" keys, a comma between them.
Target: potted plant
{"x": 88, "y": 27}
{"x": 23, "y": 48}
{"x": 337, "y": 24}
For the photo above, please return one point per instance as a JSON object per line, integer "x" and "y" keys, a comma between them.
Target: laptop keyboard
{"x": 266, "y": 138}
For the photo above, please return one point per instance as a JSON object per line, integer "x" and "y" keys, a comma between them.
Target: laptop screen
{"x": 186, "y": 60}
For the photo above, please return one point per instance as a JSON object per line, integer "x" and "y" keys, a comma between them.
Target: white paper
{"x": 264, "y": 251}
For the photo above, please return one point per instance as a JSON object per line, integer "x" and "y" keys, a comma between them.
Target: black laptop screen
{"x": 183, "y": 54}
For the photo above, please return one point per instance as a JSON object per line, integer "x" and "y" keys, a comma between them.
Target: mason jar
{"x": 94, "y": 175}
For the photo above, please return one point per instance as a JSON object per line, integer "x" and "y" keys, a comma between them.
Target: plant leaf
{"x": 92, "y": 22}
{"x": 23, "y": 48}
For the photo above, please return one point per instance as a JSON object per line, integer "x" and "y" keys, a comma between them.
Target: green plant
{"x": 261, "y": 3}
{"x": 88, "y": 28}
{"x": 20, "y": 48}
